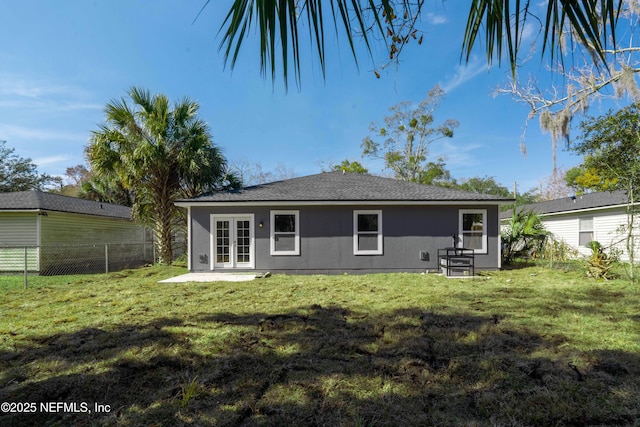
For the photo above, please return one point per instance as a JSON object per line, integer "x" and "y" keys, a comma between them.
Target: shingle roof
{"x": 566, "y": 204}
{"x": 342, "y": 187}
{"x": 38, "y": 200}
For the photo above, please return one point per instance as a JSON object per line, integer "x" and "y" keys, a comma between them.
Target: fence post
{"x": 25, "y": 267}
{"x": 106, "y": 258}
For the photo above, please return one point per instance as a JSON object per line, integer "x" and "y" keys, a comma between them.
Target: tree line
{"x": 149, "y": 153}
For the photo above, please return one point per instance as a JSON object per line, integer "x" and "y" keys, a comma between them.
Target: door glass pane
{"x": 222, "y": 241}
{"x": 243, "y": 241}
{"x": 232, "y": 241}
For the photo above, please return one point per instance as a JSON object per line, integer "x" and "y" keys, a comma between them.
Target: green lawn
{"x": 512, "y": 348}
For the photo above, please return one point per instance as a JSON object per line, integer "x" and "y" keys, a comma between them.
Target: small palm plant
{"x": 523, "y": 236}
{"x": 599, "y": 264}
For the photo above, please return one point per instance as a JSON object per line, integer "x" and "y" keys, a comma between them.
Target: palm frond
{"x": 280, "y": 23}
{"x": 592, "y": 22}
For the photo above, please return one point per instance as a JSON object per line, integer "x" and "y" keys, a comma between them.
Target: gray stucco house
{"x": 337, "y": 222}
{"x": 65, "y": 234}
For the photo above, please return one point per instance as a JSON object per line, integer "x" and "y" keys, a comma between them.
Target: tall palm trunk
{"x": 163, "y": 227}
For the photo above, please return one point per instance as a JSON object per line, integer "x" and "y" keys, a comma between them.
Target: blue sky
{"x": 61, "y": 61}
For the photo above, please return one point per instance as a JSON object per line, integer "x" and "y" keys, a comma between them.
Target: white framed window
{"x": 285, "y": 233}
{"x": 367, "y": 232}
{"x": 585, "y": 230}
{"x": 473, "y": 229}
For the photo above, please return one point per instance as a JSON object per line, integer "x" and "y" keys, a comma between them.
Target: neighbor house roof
{"x": 575, "y": 203}
{"x": 342, "y": 187}
{"x": 36, "y": 200}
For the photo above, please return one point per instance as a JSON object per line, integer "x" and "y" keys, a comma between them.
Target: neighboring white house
{"x": 577, "y": 220}
{"x": 51, "y": 232}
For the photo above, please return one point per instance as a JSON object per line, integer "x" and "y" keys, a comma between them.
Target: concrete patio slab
{"x": 211, "y": 277}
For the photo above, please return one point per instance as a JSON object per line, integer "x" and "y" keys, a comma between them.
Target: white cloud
{"x": 32, "y": 89}
{"x": 18, "y": 92}
{"x": 435, "y": 19}
{"x": 70, "y": 106}
{"x": 52, "y": 160}
{"x": 12, "y": 133}
{"x": 464, "y": 73}
{"x": 49, "y": 105}
{"x": 456, "y": 155}
{"x": 530, "y": 32}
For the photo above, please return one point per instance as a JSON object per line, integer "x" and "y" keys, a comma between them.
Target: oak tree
{"x": 610, "y": 145}
{"x": 20, "y": 173}
{"x": 403, "y": 141}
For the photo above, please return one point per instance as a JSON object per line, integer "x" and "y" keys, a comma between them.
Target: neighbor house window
{"x": 367, "y": 232}
{"x": 285, "y": 233}
{"x": 473, "y": 229}
{"x": 585, "y": 231}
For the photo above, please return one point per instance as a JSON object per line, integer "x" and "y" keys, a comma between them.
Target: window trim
{"x": 356, "y": 233}
{"x": 461, "y": 233}
{"x": 592, "y": 230}
{"x": 296, "y": 233}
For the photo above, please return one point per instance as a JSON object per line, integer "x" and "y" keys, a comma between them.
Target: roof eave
{"x": 596, "y": 208}
{"x": 580, "y": 210}
{"x": 22, "y": 210}
{"x": 209, "y": 203}
{"x": 41, "y": 210}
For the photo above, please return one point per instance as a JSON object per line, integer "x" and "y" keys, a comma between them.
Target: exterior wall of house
{"x": 61, "y": 228}
{"x": 606, "y": 223}
{"x": 564, "y": 229}
{"x": 84, "y": 238}
{"x": 326, "y": 238}
{"x": 17, "y": 230}
{"x": 608, "y": 232}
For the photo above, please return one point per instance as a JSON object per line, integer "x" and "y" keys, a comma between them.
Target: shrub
{"x": 599, "y": 264}
{"x": 556, "y": 251}
{"x": 523, "y": 236}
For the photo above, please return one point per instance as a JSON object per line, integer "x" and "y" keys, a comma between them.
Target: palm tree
{"x": 159, "y": 154}
{"x": 104, "y": 190}
{"x": 524, "y": 234}
{"x": 499, "y": 23}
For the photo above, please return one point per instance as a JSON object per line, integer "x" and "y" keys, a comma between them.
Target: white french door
{"x": 232, "y": 241}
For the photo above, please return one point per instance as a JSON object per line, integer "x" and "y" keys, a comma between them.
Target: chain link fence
{"x": 52, "y": 260}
